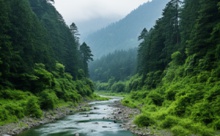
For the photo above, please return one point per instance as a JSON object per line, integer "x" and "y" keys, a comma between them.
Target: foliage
{"x": 177, "y": 85}
{"x": 118, "y": 87}
{"x": 33, "y": 108}
{"x": 156, "y": 98}
{"x": 39, "y": 61}
{"x": 143, "y": 120}
{"x": 119, "y": 65}
{"x": 180, "y": 131}
{"x": 48, "y": 100}
{"x": 86, "y": 56}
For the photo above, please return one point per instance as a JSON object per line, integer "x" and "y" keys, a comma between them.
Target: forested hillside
{"x": 42, "y": 64}
{"x": 123, "y": 34}
{"x": 177, "y": 84}
{"x": 113, "y": 68}
{"x": 109, "y": 66}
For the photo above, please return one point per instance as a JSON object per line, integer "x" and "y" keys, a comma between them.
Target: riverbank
{"x": 126, "y": 115}
{"x": 26, "y": 123}
{"x": 123, "y": 114}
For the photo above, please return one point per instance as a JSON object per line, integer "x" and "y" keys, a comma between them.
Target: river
{"x": 95, "y": 122}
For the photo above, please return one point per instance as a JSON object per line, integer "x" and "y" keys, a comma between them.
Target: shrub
{"x": 177, "y": 58}
{"x": 156, "y": 98}
{"x": 48, "y": 100}
{"x": 202, "y": 112}
{"x": 170, "y": 94}
{"x": 169, "y": 121}
{"x": 216, "y": 124}
{"x": 60, "y": 68}
{"x": 44, "y": 79}
{"x": 4, "y": 114}
{"x": 180, "y": 131}
{"x": 129, "y": 103}
{"x": 143, "y": 120}
{"x": 72, "y": 96}
{"x": 15, "y": 110}
{"x": 33, "y": 108}
{"x": 139, "y": 95}
{"x": 199, "y": 128}
{"x": 118, "y": 87}
{"x": 13, "y": 94}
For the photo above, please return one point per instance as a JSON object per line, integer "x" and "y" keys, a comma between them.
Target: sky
{"x": 97, "y": 12}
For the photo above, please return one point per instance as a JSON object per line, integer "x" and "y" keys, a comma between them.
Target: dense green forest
{"x": 108, "y": 71}
{"x": 177, "y": 64}
{"x": 176, "y": 86}
{"x": 42, "y": 64}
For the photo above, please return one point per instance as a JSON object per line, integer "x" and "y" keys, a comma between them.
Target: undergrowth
{"x": 185, "y": 105}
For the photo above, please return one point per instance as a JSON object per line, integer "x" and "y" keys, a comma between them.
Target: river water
{"x": 90, "y": 123}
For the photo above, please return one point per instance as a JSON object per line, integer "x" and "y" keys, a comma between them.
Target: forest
{"x": 42, "y": 64}
{"x": 176, "y": 85}
{"x": 173, "y": 77}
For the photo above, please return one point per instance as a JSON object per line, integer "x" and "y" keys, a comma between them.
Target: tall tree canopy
{"x": 86, "y": 56}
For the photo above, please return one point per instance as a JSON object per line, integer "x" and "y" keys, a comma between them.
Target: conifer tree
{"x": 86, "y": 56}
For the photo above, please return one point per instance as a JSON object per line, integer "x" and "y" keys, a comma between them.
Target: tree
{"x": 143, "y": 34}
{"x": 86, "y": 56}
{"x": 204, "y": 37}
{"x": 6, "y": 48}
{"x": 74, "y": 31}
{"x": 154, "y": 53}
{"x": 188, "y": 16}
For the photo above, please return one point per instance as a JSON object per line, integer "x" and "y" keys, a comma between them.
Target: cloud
{"x": 84, "y": 10}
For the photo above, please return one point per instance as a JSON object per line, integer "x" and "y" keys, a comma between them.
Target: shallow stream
{"x": 95, "y": 122}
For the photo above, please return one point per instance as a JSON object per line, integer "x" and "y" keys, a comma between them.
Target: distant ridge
{"x": 123, "y": 34}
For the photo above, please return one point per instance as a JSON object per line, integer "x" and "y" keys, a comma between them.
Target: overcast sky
{"x": 98, "y": 12}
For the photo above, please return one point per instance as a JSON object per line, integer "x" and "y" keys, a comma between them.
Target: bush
{"x": 169, "y": 121}
{"x": 13, "y": 94}
{"x": 118, "y": 87}
{"x": 15, "y": 110}
{"x": 199, "y": 128}
{"x": 216, "y": 124}
{"x": 138, "y": 95}
{"x": 202, "y": 113}
{"x": 143, "y": 120}
{"x": 4, "y": 114}
{"x": 129, "y": 103}
{"x": 33, "y": 108}
{"x": 48, "y": 100}
{"x": 102, "y": 86}
{"x": 180, "y": 131}
{"x": 44, "y": 79}
{"x": 177, "y": 58}
{"x": 60, "y": 69}
{"x": 156, "y": 98}
{"x": 170, "y": 94}
{"x": 72, "y": 96}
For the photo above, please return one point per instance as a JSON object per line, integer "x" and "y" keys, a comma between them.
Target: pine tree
{"x": 188, "y": 17}
{"x": 86, "y": 56}
{"x": 200, "y": 46}
{"x": 6, "y": 48}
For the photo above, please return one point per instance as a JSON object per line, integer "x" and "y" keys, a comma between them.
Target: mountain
{"x": 41, "y": 66}
{"x": 123, "y": 34}
{"x": 116, "y": 66}
{"x": 85, "y": 28}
